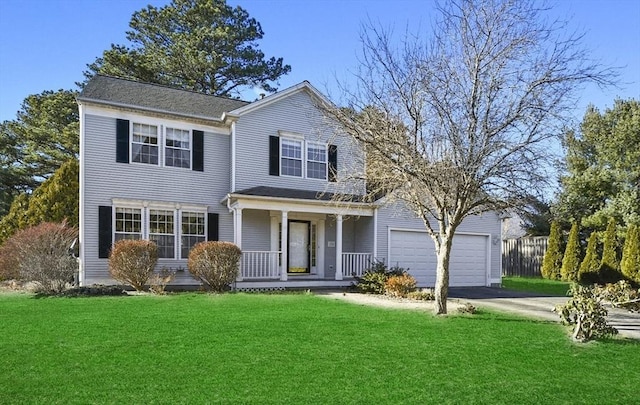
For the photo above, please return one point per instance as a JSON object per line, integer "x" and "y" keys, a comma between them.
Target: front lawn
{"x": 297, "y": 349}
{"x": 536, "y": 285}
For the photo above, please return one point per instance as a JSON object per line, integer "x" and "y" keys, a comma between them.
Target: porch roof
{"x": 275, "y": 198}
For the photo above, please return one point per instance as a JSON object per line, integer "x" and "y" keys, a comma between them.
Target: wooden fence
{"x": 523, "y": 256}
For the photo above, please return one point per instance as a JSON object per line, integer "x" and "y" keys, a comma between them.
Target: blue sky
{"x": 46, "y": 44}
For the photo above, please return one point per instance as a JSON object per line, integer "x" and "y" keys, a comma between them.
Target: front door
{"x": 299, "y": 246}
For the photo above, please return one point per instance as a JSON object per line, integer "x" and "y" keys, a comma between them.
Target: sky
{"x": 46, "y": 44}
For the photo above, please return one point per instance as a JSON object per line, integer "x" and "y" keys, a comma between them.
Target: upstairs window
{"x": 316, "y": 161}
{"x": 291, "y": 158}
{"x": 177, "y": 148}
{"x": 128, "y": 224}
{"x": 144, "y": 144}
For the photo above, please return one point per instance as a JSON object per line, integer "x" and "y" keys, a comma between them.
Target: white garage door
{"x": 415, "y": 251}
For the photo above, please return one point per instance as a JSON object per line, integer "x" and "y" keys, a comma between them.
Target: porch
{"x": 299, "y": 238}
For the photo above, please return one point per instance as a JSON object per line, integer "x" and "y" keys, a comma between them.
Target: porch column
{"x": 284, "y": 244}
{"x": 237, "y": 236}
{"x": 375, "y": 234}
{"x": 237, "y": 227}
{"x": 339, "y": 247}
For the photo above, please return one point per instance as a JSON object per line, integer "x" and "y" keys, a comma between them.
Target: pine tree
{"x": 630, "y": 263}
{"x": 591, "y": 262}
{"x": 571, "y": 260}
{"x": 609, "y": 267}
{"x": 552, "y": 261}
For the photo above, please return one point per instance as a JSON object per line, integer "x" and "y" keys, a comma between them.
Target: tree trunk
{"x": 442, "y": 275}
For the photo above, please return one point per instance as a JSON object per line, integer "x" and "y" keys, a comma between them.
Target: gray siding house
{"x": 179, "y": 167}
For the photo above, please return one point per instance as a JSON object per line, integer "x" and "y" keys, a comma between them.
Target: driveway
{"x": 537, "y": 306}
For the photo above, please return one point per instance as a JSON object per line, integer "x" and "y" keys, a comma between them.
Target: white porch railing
{"x": 355, "y": 264}
{"x": 260, "y": 264}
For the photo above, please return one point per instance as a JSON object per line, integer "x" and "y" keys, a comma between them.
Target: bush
{"x": 42, "y": 255}
{"x": 609, "y": 265}
{"x": 375, "y": 277}
{"x": 425, "y": 294}
{"x": 630, "y": 263}
{"x": 400, "y": 286}
{"x": 552, "y": 261}
{"x": 215, "y": 264}
{"x": 159, "y": 281}
{"x": 571, "y": 260}
{"x": 590, "y": 263}
{"x": 621, "y": 295}
{"x": 9, "y": 264}
{"x": 95, "y": 290}
{"x": 585, "y": 311}
{"x": 132, "y": 262}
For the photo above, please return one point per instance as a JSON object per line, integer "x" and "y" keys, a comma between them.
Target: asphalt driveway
{"x": 537, "y": 306}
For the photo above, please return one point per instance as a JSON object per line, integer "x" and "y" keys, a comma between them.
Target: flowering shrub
{"x": 132, "y": 262}
{"x": 215, "y": 264}
{"x": 585, "y": 311}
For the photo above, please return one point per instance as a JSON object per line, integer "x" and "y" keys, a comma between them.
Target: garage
{"x": 414, "y": 250}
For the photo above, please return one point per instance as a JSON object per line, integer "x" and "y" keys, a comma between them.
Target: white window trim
{"x": 162, "y": 142}
{"x": 304, "y": 145}
{"x": 164, "y": 146}
{"x": 309, "y": 144}
{"x": 146, "y": 206}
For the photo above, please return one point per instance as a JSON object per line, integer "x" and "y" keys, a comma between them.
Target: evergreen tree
{"x": 630, "y": 263}
{"x": 206, "y": 46}
{"x": 552, "y": 261}
{"x": 609, "y": 267}
{"x": 54, "y": 200}
{"x": 571, "y": 260}
{"x": 591, "y": 262}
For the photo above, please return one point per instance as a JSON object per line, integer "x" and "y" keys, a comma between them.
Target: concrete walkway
{"x": 538, "y": 306}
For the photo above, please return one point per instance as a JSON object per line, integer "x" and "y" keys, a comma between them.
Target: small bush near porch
{"x": 299, "y": 349}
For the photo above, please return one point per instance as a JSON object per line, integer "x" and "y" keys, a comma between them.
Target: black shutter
{"x": 122, "y": 141}
{"x": 274, "y": 156}
{"x": 104, "y": 231}
{"x": 212, "y": 226}
{"x": 333, "y": 163}
{"x": 198, "y": 151}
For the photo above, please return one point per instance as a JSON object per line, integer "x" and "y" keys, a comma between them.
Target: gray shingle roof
{"x": 265, "y": 191}
{"x": 123, "y": 92}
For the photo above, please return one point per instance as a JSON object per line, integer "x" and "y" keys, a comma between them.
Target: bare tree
{"x": 462, "y": 123}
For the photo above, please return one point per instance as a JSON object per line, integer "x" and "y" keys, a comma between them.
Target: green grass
{"x": 294, "y": 349}
{"x": 536, "y": 285}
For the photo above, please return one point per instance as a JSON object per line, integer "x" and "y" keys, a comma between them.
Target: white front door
{"x": 298, "y": 247}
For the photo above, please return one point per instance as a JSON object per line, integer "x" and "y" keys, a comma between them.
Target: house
{"x": 179, "y": 167}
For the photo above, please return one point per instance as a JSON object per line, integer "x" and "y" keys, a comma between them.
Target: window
{"x": 177, "y": 148}
{"x": 128, "y": 224}
{"x": 316, "y": 161}
{"x": 192, "y": 231}
{"x": 291, "y": 158}
{"x": 144, "y": 144}
{"x": 162, "y": 232}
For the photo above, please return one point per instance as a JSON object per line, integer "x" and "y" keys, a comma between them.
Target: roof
{"x": 275, "y": 192}
{"x": 155, "y": 97}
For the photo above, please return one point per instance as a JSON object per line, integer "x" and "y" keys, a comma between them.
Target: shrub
{"x": 400, "y": 286}
{"x": 9, "y": 264}
{"x": 552, "y": 260}
{"x": 621, "y": 295}
{"x": 215, "y": 264}
{"x": 590, "y": 263}
{"x": 374, "y": 278}
{"x": 425, "y": 294}
{"x": 609, "y": 267}
{"x": 630, "y": 263}
{"x": 159, "y": 281}
{"x": 42, "y": 254}
{"x": 585, "y": 311}
{"x": 95, "y": 290}
{"x": 132, "y": 262}
{"x": 571, "y": 260}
